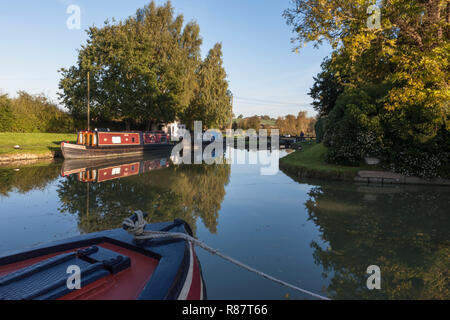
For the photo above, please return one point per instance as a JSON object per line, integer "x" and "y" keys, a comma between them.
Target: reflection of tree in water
{"x": 183, "y": 192}
{"x": 27, "y": 178}
{"x": 405, "y": 233}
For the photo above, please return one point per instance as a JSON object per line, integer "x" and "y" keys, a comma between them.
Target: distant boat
{"x": 102, "y": 144}
{"x": 112, "y": 266}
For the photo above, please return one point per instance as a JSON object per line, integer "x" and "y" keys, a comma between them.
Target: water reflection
{"x": 27, "y": 178}
{"x": 103, "y": 170}
{"x": 102, "y": 196}
{"x": 312, "y": 233}
{"x": 404, "y": 230}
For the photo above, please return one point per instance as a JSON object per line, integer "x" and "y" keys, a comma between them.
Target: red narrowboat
{"x": 102, "y": 144}
{"x": 111, "y": 265}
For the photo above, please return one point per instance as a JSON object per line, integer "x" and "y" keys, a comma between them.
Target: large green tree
{"x": 410, "y": 49}
{"x": 143, "y": 68}
{"x": 407, "y": 53}
{"x": 326, "y": 89}
{"x": 212, "y": 103}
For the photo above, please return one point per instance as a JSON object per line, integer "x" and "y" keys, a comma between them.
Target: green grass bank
{"x": 310, "y": 163}
{"x": 32, "y": 145}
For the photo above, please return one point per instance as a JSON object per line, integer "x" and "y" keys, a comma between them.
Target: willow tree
{"x": 142, "y": 68}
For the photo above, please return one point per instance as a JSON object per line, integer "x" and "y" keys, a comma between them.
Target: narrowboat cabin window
{"x": 116, "y": 140}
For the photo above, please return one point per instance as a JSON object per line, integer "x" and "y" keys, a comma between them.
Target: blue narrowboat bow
{"x": 112, "y": 266}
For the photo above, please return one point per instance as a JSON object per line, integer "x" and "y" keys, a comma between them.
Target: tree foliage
{"x": 292, "y": 125}
{"x": 211, "y": 103}
{"x": 249, "y": 123}
{"x": 320, "y": 129}
{"x": 33, "y": 113}
{"x": 408, "y": 53}
{"x": 325, "y": 90}
{"x": 354, "y": 126}
{"x": 147, "y": 68}
{"x": 6, "y": 115}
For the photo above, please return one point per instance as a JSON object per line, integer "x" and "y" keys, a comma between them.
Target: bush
{"x": 406, "y": 139}
{"x": 428, "y": 160}
{"x": 6, "y": 115}
{"x": 354, "y": 129}
{"x": 320, "y": 129}
{"x": 28, "y": 113}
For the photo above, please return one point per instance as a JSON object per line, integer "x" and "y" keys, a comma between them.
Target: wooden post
{"x": 88, "y": 104}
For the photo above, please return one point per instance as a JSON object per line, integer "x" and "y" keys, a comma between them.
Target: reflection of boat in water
{"x": 112, "y": 266}
{"x": 98, "y": 144}
{"x": 101, "y": 170}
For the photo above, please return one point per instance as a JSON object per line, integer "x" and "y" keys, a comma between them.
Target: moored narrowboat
{"x": 111, "y": 266}
{"x": 102, "y": 144}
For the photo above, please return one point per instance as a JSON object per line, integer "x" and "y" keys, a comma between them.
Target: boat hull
{"x": 75, "y": 151}
{"x": 159, "y": 269}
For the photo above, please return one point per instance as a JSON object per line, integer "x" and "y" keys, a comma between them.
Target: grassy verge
{"x": 32, "y": 143}
{"x": 310, "y": 163}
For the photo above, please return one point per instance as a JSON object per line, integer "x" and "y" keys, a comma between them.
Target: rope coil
{"x": 137, "y": 230}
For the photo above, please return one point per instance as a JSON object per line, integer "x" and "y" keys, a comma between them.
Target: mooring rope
{"x": 137, "y": 229}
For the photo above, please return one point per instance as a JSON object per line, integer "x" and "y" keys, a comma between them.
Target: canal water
{"x": 319, "y": 235}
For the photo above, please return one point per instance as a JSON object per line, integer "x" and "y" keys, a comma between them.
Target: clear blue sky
{"x": 265, "y": 76}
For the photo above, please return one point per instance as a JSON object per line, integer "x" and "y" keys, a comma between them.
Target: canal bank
{"x": 14, "y": 157}
{"x": 31, "y": 146}
{"x": 309, "y": 163}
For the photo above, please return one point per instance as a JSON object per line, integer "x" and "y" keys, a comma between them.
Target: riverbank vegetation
{"x": 294, "y": 126}
{"x": 287, "y": 125}
{"x": 311, "y": 161}
{"x": 148, "y": 70}
{"x": 254, "y": 123}
{"x": 33, "y": 113}
{"x": 384, "y": 90}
